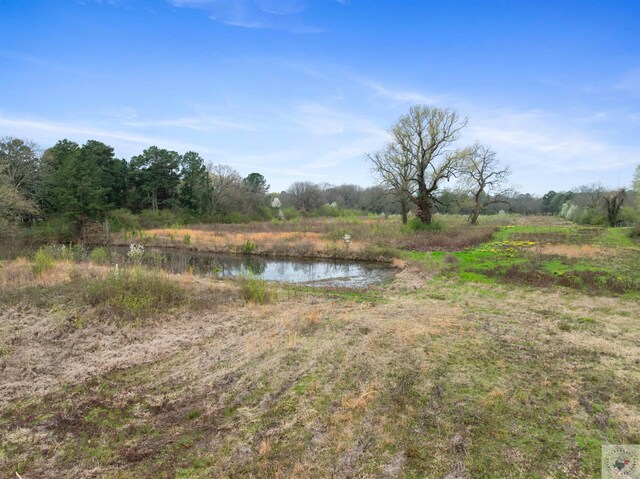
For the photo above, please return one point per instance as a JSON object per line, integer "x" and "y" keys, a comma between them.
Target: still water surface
{"x": 351, "y": 274}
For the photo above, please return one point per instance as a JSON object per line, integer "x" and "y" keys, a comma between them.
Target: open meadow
{"x": 508, "y": 349}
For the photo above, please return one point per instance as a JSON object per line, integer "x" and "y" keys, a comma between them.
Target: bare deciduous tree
{"x": 306, "y": 195}
{"x": 222, "y": 179}
{"x": 394, "y": 170}
{"x": 421, "y": 141}
{"x": 483, "y": 179}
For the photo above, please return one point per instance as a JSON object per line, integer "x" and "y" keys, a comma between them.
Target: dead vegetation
{"x": 450, "y": 239}
{"x": 446, "y": 379}
{"x": 371, "y": 238}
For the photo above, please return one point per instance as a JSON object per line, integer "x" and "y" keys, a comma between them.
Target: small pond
{"x": 318, "y": 272}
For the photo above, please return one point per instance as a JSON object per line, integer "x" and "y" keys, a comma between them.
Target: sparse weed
{"x": 43, "y": 261}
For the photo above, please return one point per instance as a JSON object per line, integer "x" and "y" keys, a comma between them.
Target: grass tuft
{"x": 256, "y": 291}
{"x": 134, "y": 294}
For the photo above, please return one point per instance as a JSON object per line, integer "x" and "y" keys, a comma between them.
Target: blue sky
{"x": 301, "y": 90}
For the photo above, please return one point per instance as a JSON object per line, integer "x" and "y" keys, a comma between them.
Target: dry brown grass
{"x": 20, "y": 273}
{"x": 359, "y": 400}
{"x": 277, "y": 242}
{"x": 398, "y": 263}
{"x": 313, "y": 386}
{"x": 575, "y": 251}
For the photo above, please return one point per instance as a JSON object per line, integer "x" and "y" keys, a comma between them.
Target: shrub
{"x": 54, "y": 230}
{"x": 162, "y": 218}
{"x": 123, "y": 220}
{"x": 43, "y": 261}
{"x": 99, "y": 256}
{"x": 415, "y": 224}
{"x": 256, "y": 290}
{"x": 234, "y": 218}
{"x": 136, "y": 293}
{"x": 326, "y": 211}
{"x": 591, "y": 217}
{"x": 248, "y": 247}
{"x": 186, "y": 239}
{"x": 291, "y": 213}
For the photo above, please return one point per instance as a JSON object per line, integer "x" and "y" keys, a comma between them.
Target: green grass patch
{"x": 516, "y": 257}
{"x": 617, "y": 237}
{"x": 416, "y": 224}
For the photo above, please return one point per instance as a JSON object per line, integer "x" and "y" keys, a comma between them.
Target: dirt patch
{"x": 410, "y": 278}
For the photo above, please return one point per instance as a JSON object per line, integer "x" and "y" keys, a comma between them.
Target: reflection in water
{"x": 308, "y": 272}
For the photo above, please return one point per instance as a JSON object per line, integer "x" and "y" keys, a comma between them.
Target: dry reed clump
{"x": 265, "y": 446}
{"x": 398, "y": 263}
{"x": 359, "y": 400}
{"x": 223, "y": 239}
{"x": 285, "y": 243}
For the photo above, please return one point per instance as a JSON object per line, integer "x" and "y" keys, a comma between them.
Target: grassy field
{"x": 512, "y": 355}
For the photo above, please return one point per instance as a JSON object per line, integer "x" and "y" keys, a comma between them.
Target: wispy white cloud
{"x": 402, "y": 95}
{"x": 192, "y": 123}
{"x": 552, "y": 150}
{"x": 544, "y": 138}
{"x": 324, "y": 120}
{"x": 255, "y": 14}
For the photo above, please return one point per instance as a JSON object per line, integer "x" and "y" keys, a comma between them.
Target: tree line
{"x": 85, "y": 184}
